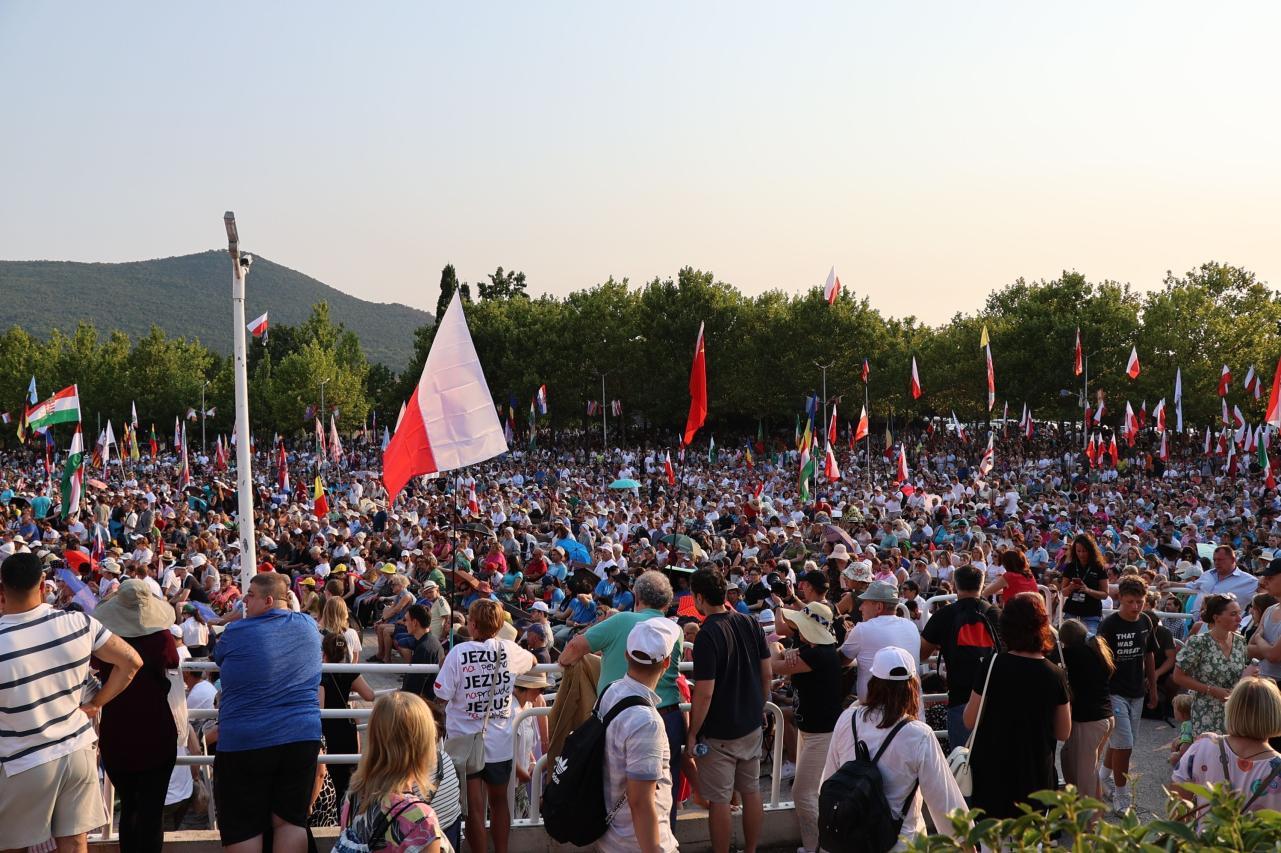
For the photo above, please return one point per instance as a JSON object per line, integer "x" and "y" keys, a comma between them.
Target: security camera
{"x": 246, "y": 260}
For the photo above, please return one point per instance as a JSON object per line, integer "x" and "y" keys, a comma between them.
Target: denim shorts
{"x": 1127, "y": 712}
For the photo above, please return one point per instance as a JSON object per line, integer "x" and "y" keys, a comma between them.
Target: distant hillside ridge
{"x": 190, "y": 296}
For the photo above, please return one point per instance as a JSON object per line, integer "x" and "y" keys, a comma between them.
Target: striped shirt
{"x": 44, "y": 661}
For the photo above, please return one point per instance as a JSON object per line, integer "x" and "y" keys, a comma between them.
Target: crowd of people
{"x": 1047, "y": 602}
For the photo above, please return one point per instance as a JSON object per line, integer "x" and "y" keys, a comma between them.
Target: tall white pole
{"x": 604, "y": 429}
{"x": 244, "y": 472}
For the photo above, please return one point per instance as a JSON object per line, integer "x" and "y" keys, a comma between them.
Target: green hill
{"x": 191, "y": 296}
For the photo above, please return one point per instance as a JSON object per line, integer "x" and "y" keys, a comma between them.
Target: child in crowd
{"x": 1182, "y": 716}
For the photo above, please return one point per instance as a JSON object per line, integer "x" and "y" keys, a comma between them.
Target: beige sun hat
{"x": 134, "y": 612}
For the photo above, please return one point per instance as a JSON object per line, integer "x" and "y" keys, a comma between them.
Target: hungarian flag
{"x": 668, "y": 469}
{"x": 73, "y": 475}
{"x": 830, "y": 469}
{"x": 832, "y": 289}
{"x": 1132, "y": 366}
{"x": 807, "y": 463}
{"x": 61, "y": 408}
{"x": 1225, "y": 379}
{"x": 831, "y": 427}
{"x": 1078, "y": 366}
{"x": 860, "y": 432}
{"x": 989, "y": 456}
{"x": 1264, "y": 462}
{"x": 1113, "y": 452}
{"x": 258, "y": 328}
{"x": 282, "y": 468}
{"x": 867, "y": 371}
{"x": 916, "y": 381}
{"x": 991, "y": 378}
{"x": 450, "y": 420}
{"x": 319, "y": 503}
{"x": 155, "y": 446}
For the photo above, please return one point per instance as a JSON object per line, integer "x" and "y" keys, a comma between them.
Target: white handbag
{"x": 958, "y": 761}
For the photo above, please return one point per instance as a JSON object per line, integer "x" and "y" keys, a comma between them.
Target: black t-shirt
{"x": 756, "y": 593}
{"x": 1014, "y": 746}
{"x": 1088, "y": 678}
{"x": 195, "y": 588}
{"x": 729, "y": 649}
{"x": 1130, "y": 643}
{"x": 964, "y": 641}
{"x": 818, "y": 692}
{"x": 1078, "y": 603}
{"x": 1165, "y": 643}
{"x": 426, "y": 650}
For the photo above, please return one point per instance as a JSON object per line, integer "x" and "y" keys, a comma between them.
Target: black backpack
{"x": 853, "y": 814}
{"x": 573, "y": 805}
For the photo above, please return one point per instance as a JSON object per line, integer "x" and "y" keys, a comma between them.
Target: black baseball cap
{"x": 1273, "y": 568}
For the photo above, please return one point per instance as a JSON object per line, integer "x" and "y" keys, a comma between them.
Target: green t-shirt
{"x": 610, "y": 639}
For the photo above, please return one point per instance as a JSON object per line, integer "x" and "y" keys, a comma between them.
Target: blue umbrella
{"x": 576, "y": 551}
{"x": 624, "y": 484}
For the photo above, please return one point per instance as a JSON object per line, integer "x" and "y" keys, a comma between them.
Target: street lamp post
{"x": 244, "y": 475}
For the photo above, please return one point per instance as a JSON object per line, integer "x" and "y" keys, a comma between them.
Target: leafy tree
{"x": 503, "y": 285}
{"x": 448, "y": 284}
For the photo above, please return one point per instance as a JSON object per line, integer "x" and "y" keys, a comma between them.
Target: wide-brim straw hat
{"x": 134, "y": 612}
{"x": 813, "y": 622}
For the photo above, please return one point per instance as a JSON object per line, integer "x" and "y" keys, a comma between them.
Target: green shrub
{"x": 1077, "y": 823}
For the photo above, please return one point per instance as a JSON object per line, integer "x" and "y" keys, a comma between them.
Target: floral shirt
{"x": 412, "y": 829}
{"x": 1203, "y": 659}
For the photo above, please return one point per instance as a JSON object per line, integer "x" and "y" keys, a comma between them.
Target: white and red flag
{"x": 900, "y": 474}
{"x": 860, "y": 431}
{"x": 1251, "y": 381}
{"x": 830, "y": 469}
{"x": 258, "y": 328}
{"x": 916, "y": 381}
{"x": 989, "y": 456}
{"x": 450, "y": 419}
{"x": 668, "y": 470}
{"x": 1273, "y": 416}
{"x": 1132, "y": 366}
{"x": 1225, "y": 379}
{"x": 991, "y": 380}
{"x": 832, "y": 289}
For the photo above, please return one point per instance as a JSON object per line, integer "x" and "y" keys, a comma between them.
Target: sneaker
{"x": 1106, "y": 784}
{"x": 788, "y": 772}
{"x": 1122, "y": 800}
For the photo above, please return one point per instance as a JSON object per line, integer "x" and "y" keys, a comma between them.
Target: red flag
{"x": 1225, "y": 378}
{"x": 759, "y": 488}
{"x": 1273, "y": 416}
{"x": 860, "y": 432}
{"x": 1090, "y": 451}
{"x": 1077, "y": 360}
{"x": 916, "y": 381}
{"x": 1132, "y": 366}
{"x": 697, "y": 390}
{"x": 1143, "y": 415}
{"x": 667, "y": 468}
{"x": 1113, "y": 452}
{"x": 831, "y": 427}
{"x": 866, "y": 371}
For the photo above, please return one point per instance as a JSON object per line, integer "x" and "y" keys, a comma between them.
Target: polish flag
{"x": 831, "y": 427}
{"x": 1225, "y": 379}
{"x": 697, "y": 390}
{"x": 960, "y": 430}
{"x": 1273, "y": 416}
{"x": 832, "y": 289}
{"x": 1113, "y": 452}
{"x": 1164, "y": 453}
{"x": 830, "y": 469}
{"x": 1132, "y": 366}
{"x": 916, "y": 381}
{"x": 860, "y": 431}
{"x": 985, "y": 464}
{"x": 668, "y": 469}
{"x": 1131, "y": 425}
{"x": 1207, "y": 442}
{"x": 258, "y": 328}
{"x": 1158, "y": 415}
{"x": 282, "y": 470}
{"x": 1027, "y": 428}
{"x": 1077, "y": 359}
{"x": 1143, "y": 415}
{"x": 473, "y": 504}
{"x": 900, "y": 475}
{"x": 867, "y": 371}
{"x": 449, "y": 421}
{"x": 1251, "y": 381}
{"x": 1225, "y": 417}
{"x": 1090, "y": 450}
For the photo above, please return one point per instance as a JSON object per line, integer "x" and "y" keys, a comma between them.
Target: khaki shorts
{"x": 59, "y": 798}
{"x": 731, "y": 765}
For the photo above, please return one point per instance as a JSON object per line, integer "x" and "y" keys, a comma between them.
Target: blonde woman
{"x": 397, "y": 769}
{"x": 335, "y": 620}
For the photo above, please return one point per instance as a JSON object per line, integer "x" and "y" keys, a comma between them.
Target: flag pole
{"x": 244, "y": 476}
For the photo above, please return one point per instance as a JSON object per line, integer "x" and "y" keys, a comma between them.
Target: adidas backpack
{"x": 853, "y": 814}
{"x": 573, "y": 804}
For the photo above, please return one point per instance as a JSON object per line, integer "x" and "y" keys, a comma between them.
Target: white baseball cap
{"x": 652, "y": 640}
{"x": 893, "y": 664}
{"x": 540, "y": 606}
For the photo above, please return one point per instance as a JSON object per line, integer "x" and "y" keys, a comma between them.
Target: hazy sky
{"x": 931, "y": 151}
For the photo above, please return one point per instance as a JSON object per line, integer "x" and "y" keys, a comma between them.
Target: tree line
{"x": 763, "y": 356}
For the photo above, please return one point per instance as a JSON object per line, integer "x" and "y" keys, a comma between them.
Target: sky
{"x": 931, "y": 151}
